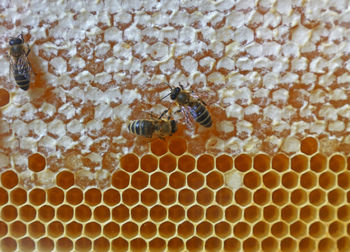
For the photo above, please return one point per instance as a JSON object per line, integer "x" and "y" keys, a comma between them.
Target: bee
{"x": 154, "y": 126}
{"x": 19, "y": 63}
{"x": 190, "y": 105}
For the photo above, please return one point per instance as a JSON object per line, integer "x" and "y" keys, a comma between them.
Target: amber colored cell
{"x": 158, "y": 180}
{"x": 308, "y": 213}
{"x": 149, "y": 163}
{"x": 233, "y": 213}
{"x": 74, "y": 196}
{"x": 289, "y": 213}
{"x": 3, "y": 229}
{"x": 261, "y": 229}
{"x": 83, "y": 213}
{"x": 92, "y": 229}
{"x": 26, "y": 244}
{"x": 205, "y": 163}
{"x": 74, "y": 229}
{"x": 175, "y": 244}
{"x": 157, "y": 244}
{"x": 55, "y": 229}
{"x": 299, "y": 163}
{"x": 18, "y": 196}
{"x": 64, "y": 244}
{"x": 280, "y": 197}
{"x": 213, "y": 244}
{"x": 298, "y": 229}
{"x": 186, "y": 197}
{"x": 318, "y": 163}
{"x": 9, "y": 213}
{"x": 159, "y": 147}
{"x": 290, "y": 180}
{"x": 139, "y": 180}
{"x": 317, "y": 197}
{"x": 3, "y": 196}
{"x": 120, "y": 213}
{"x": 307, "y": 244}
{"x": 139, "y": 213}
{"x": 167, "y": 163}
{"x": 149, "y": 197}
{"x": 148, "y": 230}
{"x": 343, "y": 244}
{"x": 241, "y": 230}
{"x": 36, "y": 162}
{"x": 64, "y": 213}
{"x": 55, "y": 196}
{"x": 232, "y": 244}
{"x": 101, "y": 214}
{"x": 280, "y": 162}
{"x": 177, "y": 145}
{"x": 9, "y": 179}
{"x": 251, "y": 180}
{"x": 17, "y": 229}
{"x": 65, "y": 179}
{"x": 223, "y": 229}
{"x": 111, "y": 229}
{"x": 214, "y": 180}
{"x": 195, "y": 180}
{"x": 119, "y": 244}
{"x": 187, "y": 163}
{"x": 309, "y": 145}
{"x": 46, "y": 213}
{"x": 298, "y": 196}
{"x": 138, "y": 244}
{"x": 93, "y": 197}
{"x": 158, "y": 213}
{"x": 308, "y": 180}
{"x": 185, "y": 229}
{"x": 167, "y": 229}
{"x": 4, "y": 97}
{"x": 343, "y": 213}
{"x": 336, "y": 229}
{"x": 37, "y": 196}
{"x": 167, "y": 196}
{"x": 129, "y": 162}
{"x": 111, "y": 197}
{"x": 326, "y": 213}
{"x": 344, "y": 180}
{"x": 83, "y": 244}
{"x": 326, "y": 244}
{"x": 327, "y": 180}
{"x": 27, "y": 213}
{"x": 288, "y": 244}
{"x": 271, "y": 213}
{"x": 8, "y": 244}
{"x": 243, "y": 162}
{"x": 176, "y": 213}
{"x": 194, "y": 244}
{"x": 120, "y": 179}
{"x": 36, "y": 229}
{"x": 243, "y": 196}
{"x": 279, "y": 229}
{"x": 252, "y": 213}
{"x": 205, "y": 196}
{"x": 45, "y": 244}
{"x": 261, "y": 162}
{"x": 195, "y": 213}
{"x": 214, "y": 213}
{"x": 224, "y": 196}
{"x": 224, "y": 163}
{"x": 177, "y": 180}
{"x": 270, "y": 180}
{"x": 337, "y": 163}
{"x": 251, "y": 245}
{"x": 101, "y": 244}
{"x": 269, "y": 244}
{"x": 336, "y": 197}
{"x": 261, "y": 196}
{"x": 204, "y": 229}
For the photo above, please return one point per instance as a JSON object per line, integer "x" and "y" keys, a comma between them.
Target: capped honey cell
{"x": 36, "y": 162}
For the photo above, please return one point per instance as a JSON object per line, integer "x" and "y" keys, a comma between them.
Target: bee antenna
{"x": 165, "y": 96}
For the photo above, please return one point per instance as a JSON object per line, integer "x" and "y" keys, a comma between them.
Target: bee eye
{"x": 15, "y": 41}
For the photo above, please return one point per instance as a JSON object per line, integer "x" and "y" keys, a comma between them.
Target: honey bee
{"x": 19, "y": 63}
{"x": 154, "y": 126}
{"x": 190, "y": 105}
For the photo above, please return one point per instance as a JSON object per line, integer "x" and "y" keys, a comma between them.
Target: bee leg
{"x": 182, "y": 87}
{"x": 162, "y": 114}
{"x": 28, "y": 51}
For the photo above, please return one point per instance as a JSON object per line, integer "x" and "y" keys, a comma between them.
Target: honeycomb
{"x": 271, "y": 174}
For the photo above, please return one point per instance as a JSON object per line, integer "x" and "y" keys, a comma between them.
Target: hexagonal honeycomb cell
{"x": 272, "y": 173}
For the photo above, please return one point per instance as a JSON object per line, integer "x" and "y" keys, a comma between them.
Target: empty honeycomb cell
{"x": 149, "y": 197}
{"x": 343, "y": 213}
{"x": 205, "y": 196}
{"x": 280, "y": 162}
{"x": 343, "y": 244}
{"x": 261, "y": 162}
{"x": 241, "y": 230}
{"x": 336, "y": 197}
{"x": 158, "y": 213}
{"x": 205, "y": 163}
{"x": 18, "y": 196}
{"x": 46, "y": 213}
{"x": 157, "y": 244}
{"x": 343, "y": 180}
{"x": 101, "y": 214}
{"x": 308, "y": 213}
{"x": 177, "y": 180}
{"x": 298, "y": 196}
{"x": 149, "y": 163}
{"x": 65, "y": 179}
{"x": 309, "y": 145}
{"x": 83, "y": 244}
{"x": 252, "y": 214}
{"x": 4, "y": 97}
{"x": 279, "y": 229}
{"x": 186, "y": 197}
{"x": 120, "y": 179}
{"x": 27, "y": 213}
{"x": 64, "y": 244}
{"x": 243, "y": 196}
{"x": 214, "y": 180}
{"x": 167, "y": 196}
{"x": 36, "y": 229}
{"x": 326, "y": 244}
{"x": 3, "y": 229}
{"x": 9, "y": 179}
{"x": 120, "y": 213}
{"x": 187, "y": 163}
{"x": 280, "y": 197}
{"x": 177, "y": 145}
{"x": 233, "y": 213}
{"x": 101, "y": 244}
{"x": 26, "y": 244}
{"x": 55, "y": 229}
{"x": 288, "y": 244}
{"x": 251, "y": 245}
{"x": 194, "y": 244}
{"x": 9, "y": 213}
{"x": 167, "y": 229}
{"x": 139, "y": 180}
{"x": 298, "y": 229}
{"x": 318, "y": 163}
{"x": 129, "y": 162}
{"x": 261, "y": 229}
{"x": 111, "y": 229}
{"x": 327, "y": 180}
{"x": 224, "y": 196}
{"x": 74, "y": 196}
{"x": 74, "y": 229}
{"x": 93, "y": 197}
{"x": 308, "y": 180}
{"x": 176, "y": 213}
{"x": 65, "y": 213}
{"x": 139, "y": 213}
{"x": 269, "y": 244}
{"x": 223, "y": 229}
{"x": 270, "y": 179}
{"x": 224, "y": 163}
{"x": 243, "y": 162}
{"x": 289, "y": 213}
{"x": 119, "y": 244}
{"x": 299, "y": 163}
{"x": 159, "y": 147}
{"x": 8, "y": 244}
{"x": 45, "y": 244}
{"x": 195, "y": 213}
{"x": 167, "y": 163}
{"x": 204, "y": 229}
{"x": 290, "y": 180}
{"x": 37, "y": 196}
{"x": 336, "y": 229}
{"x": 138, "y": 244}
{"x": 36, "y": 162}
{"x": 92, "y": 229}
{"x": 3, "y": 196}
{"x": 261, "y": 196}
{"x": 214, "y": 213}
{"x": 83, "y": 213}
{"x": 213, "y": 244}
{"x": 185, "y": 229}
{"x": 148, "y": 230}
{"x": 158, "y": 180}
{"x": 251, "y": 180}
{"x": 17, "y": 229}
{"x": 337, "y": 163}
{"x": 307, "y": 244}
{"x": 326, "y": 213}
{"x": 195, "y": 180}
{"x": 232, "y": 244}
{"x": 55, "y": 196}
{"x": 176, "y": 244}
{"x": 111, "y": 197}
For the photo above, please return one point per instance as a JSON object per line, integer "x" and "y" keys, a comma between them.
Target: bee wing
{"x": 188, "y": 117}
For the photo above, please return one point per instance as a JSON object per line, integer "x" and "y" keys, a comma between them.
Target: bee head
{"x": 15, "y": 41}
{"x": 173, "y": 126}
{"x": 174, "y": 93}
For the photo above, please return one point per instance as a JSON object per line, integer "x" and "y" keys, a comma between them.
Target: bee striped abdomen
{"x": 142, "y": 128}
{"x": 22, "y": 80}
{"x": 201, "y": 114}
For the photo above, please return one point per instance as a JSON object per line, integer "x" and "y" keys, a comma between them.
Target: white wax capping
{"x": 244, "y": 35}
{"x": 122, "y": 17}
{"x": 4, "y": 127}
{"x": 216, "y": 78}
{"x": 159, "y": 51}
{"x": 337, "y": 126}
{"x": 234, "y": 111}
{"x": 38, "y": 126}
{"x": 270, "y": 80}
{"x": 226, "y": 126}
{"x": 57, "y": 127}
{"x": 113, "y": 34}
{"x": 273, "y": 113}
{"x": 101, "y": 49}
{"x": 76, "y": 62}
{"x": 328, "y": 112}
{"x": 291, "y": 144}
{"x": 20, "y": 128}
{"x": 233, "y": 180}
{"x": 103, "y": 111}
{"x": 189, "y": 64}
{"x": 280, "y": 96}
{"x": 344, "y": 111}
{"x": 59, "y": 65}
{"x": 48, "y": 143}
{"x": 67, "y": 110}
{"x": 289, "y": 78}
{"x": 84, "y": 77}
{"x": 75, "y": 126}
{"x": 244, "y": 64}
{"x": 226, "y": 63}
